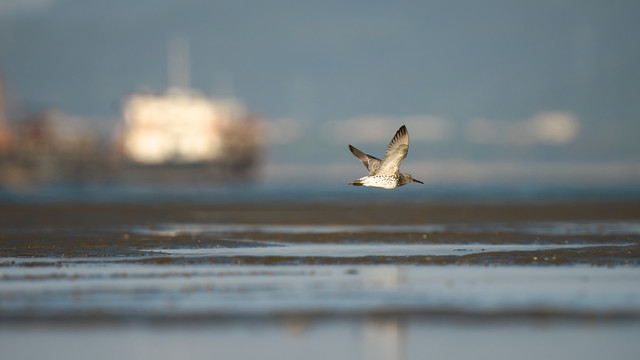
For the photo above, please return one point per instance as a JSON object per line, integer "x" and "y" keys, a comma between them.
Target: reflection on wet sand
{"x": 384, "y": 339}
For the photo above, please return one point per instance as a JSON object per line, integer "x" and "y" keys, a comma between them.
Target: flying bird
{"x": 386, "y": 173}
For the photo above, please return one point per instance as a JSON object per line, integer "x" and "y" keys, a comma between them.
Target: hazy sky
{"x": 325, "y": 61}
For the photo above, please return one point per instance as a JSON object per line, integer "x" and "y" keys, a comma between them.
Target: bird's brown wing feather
{"x": 396, "y": 152}
{"x": 372, "y": 163}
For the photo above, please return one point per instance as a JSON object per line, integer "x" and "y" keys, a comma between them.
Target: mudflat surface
{"x": 70, "y": 231}
{"x": 373, "y": 279}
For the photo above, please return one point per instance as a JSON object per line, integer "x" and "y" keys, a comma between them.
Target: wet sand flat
{"x": 73, "y": 231}
{"x": 370, "y": 278}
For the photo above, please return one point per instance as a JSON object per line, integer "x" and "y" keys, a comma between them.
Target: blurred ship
{"x": 179, "y": 137}
{"x": 183, "y": 136}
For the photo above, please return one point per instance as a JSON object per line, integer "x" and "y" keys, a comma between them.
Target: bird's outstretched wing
{"x": 396, "y": 152}
{"x": 372, "y": 163}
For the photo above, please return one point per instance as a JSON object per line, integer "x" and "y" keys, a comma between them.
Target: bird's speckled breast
{"x": 382, "y": 181}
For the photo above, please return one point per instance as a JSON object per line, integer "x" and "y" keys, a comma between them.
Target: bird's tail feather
{"x": 356, "y": 183}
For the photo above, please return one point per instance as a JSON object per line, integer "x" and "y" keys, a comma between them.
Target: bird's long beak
{"x": 418, "y": 181}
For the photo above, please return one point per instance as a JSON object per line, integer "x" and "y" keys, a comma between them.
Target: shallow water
{"x": 246, "y": 282}
{"x": 536, "y": 228}
{"x": 214, "y": 291}
{"x": 368, "y": 249}
{"x": 303, "y": 339}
